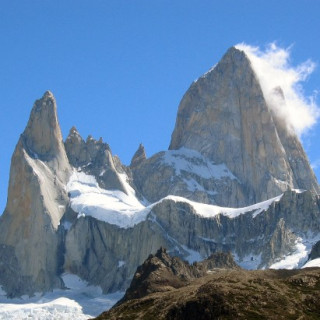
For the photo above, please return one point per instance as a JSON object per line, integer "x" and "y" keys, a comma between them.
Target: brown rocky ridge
{"x": 165, "y": 287}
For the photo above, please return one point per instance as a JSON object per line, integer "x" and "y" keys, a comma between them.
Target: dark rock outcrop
{"x": 315, "y": 252}
{"x": 166, "y": 288}
{"x": 161, "y": 272}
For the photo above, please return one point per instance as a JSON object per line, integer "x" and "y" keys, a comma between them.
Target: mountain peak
{"x": 225, "y": 117}
{"x": 234, "y": 51}
{"x": 74, "y": 131}
{"x": 48, "y": 95}
{"x": 42, "y": 135}
{"x": 138, "y": 157}
{"x": 233, "y": 56}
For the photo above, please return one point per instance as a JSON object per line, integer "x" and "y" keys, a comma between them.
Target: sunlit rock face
{"x": 225, "y": 117}
{"x": 187, "y": 173}
{"x": 36, "y": 202}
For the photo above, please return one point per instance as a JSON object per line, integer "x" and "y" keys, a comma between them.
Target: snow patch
{"x": 79, "y": 301}
{"x": 121, "y": 263}
{"x": 293, "y": 260}
{"x": 193, "y": 186}
{"x": 193, "y": 256}
{"x": 300, "y": 256}
{"x": 298, "y": 190}
{"x": 125, "y": 210}
{"x": 249, "y": 262}
{"x": 194, "y": 162}
{"x": 312, "y": 263}
{"x": 112, "y": 206}
{"x": 209, "y": 211}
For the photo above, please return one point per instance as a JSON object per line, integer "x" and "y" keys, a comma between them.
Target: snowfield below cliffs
{"x": 126, "y": 210}
{"x": 79, "y": 301}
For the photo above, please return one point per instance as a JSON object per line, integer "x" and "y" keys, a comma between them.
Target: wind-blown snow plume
{"x": 281, "y": 85}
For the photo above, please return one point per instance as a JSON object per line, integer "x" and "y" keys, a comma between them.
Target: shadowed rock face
{"x": 315, "y": 252}
{"x": 161, "y": 272}
{"x": 36, "y": 202}
{"x": 225, "y": 117}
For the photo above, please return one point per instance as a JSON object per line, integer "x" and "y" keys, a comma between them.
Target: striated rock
{"x": 225, "y": 117}
{"x": 108, "y": 255}
{"x": 36, "y": 202}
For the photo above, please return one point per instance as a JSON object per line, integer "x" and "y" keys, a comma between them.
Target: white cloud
{"x": 274, "y": 71}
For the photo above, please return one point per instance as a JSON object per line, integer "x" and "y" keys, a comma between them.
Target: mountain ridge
{"x": 74, "y": 207}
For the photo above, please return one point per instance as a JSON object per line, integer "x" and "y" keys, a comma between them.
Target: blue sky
{"x": 118, "y": 69}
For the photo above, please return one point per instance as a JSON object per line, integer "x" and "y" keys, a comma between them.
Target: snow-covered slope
{"x": 112, "y": 206}
{"x": 312, "y": 263}
{"x": 79, "y": 301}
{"x": 125, "y": 210}
{"x": 193, "y": 162}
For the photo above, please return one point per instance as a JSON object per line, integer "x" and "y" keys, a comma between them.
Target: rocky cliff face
{"x": 225, "y": 117}
{"x": 36, "y": 202}
{"x": 108, "y": 255}
{"x": 189, "y": 174}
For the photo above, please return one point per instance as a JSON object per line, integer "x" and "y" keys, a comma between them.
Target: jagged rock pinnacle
{"x": 138, "y": 157}
{"x": 42, "y": 135}
{"x": 74, "y": 131}
{"x": 37, "y": 200}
